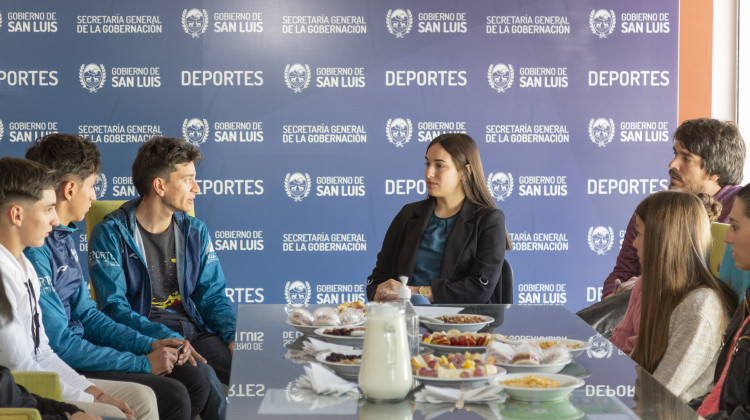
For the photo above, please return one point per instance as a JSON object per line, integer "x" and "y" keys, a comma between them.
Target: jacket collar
{"x": 60, "y": 232}
{"x": 125, "y": 216}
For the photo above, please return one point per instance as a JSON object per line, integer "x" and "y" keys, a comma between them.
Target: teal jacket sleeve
{"x": 75, "y": 350}
{"x": 101, "y": 329}
{"x": 209, "y": 296}
{"x": 105, "y": 269}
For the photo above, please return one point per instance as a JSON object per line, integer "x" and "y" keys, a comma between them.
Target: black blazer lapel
{"x": 415, "y": 226}
{"x": 458, "y": 238}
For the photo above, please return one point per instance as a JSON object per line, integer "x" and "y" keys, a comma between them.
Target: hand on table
{"x": 387, "y": 291}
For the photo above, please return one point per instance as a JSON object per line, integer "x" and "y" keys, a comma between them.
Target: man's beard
{"x": 695, "y": 189}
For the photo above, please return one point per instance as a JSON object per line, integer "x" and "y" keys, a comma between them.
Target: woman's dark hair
{"x": 464, "y": 152}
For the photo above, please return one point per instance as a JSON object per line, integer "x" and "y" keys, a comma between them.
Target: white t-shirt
{"x": 16, "y": 340}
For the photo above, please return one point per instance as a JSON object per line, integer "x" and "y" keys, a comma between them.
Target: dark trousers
{"x": 183, "y": 394}
{"x": 208, "y": 344}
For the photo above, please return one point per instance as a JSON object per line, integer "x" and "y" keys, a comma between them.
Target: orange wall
{"x": 696, "y": 38}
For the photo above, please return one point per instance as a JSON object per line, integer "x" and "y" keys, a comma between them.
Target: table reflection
{"x": 269, "y": 360}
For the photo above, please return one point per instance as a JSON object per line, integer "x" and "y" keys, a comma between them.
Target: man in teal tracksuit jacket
{"x": 122, "y": 269}
{"x": 122, "y": 282}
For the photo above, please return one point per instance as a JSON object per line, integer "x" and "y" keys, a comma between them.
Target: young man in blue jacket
{"x": 153, "y": 265}
{"x": 83, "y": 336}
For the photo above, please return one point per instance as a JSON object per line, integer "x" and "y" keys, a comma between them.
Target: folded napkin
{"x": 437, "y": 394}
{"x": 322, "y": 381}
{"x": 313, "y": 346}
{"x": 489, "y": 411}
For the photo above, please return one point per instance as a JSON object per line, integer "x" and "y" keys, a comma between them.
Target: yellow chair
{"x": 15, "y": 413}
{"x": 44, "y": 384}
{"x": 98, "y": 210}
{"x": 716, "y": 251}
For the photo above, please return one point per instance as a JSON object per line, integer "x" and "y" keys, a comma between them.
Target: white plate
{"x": 458, "y": 382}
{"x": 442, "y": 326}
{"x": 340, "y": 339}
{"x": 550, "y": 368}
{"x": 345, "y": 370}
{"x": 567, "y": 385}
{"x": 574, "y": 352}
{"x": 310, "y": 329}
{"x": 440, "y": 349}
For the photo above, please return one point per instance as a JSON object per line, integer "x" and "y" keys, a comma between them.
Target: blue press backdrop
{"x": 314, "y": 117}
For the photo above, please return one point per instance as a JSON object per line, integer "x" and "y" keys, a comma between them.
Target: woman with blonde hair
{"x": 673, "y": 235}
{"x": 625, "y": 333}
{"x": 450, "y": 245}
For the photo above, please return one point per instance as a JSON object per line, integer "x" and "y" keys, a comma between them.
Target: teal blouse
{"x": 431, "y": 248}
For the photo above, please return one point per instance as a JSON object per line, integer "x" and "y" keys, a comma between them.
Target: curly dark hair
{"x": 73, "y": 157}
{"x": 718, "y": 143}
{"x": 157, "y": 159}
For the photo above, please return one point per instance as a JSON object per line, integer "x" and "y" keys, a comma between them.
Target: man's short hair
{"x": 73, "y": 157}
{"x": 718, "y": 143}
{"x": 22, "y": 180}
{"x": 158, "y": 157}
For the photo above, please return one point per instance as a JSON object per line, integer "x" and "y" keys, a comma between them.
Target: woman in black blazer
{"x": 451, "y": 245}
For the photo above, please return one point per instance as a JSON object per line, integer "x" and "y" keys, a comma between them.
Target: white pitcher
{"x": 385, "y": 373}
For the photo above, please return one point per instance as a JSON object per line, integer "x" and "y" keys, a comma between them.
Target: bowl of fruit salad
{"x": 455, "y": 369}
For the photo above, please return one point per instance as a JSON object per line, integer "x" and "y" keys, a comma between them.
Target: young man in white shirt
{"x": 27, "y": 215}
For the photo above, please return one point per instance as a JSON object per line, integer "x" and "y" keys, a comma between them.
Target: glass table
{"x": 263, "y": 381}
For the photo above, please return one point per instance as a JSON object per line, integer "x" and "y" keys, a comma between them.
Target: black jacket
{"x": 472, "y": 260}
{"x": 12, "y": 395}
{"x": 734, "y": 401}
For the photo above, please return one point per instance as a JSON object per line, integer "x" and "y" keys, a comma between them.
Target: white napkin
{"x": 437, "y": 394}
{"x": 431, "y": 411}
{"x": 322, "y": 381}
{"x": 313, "y": 346}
